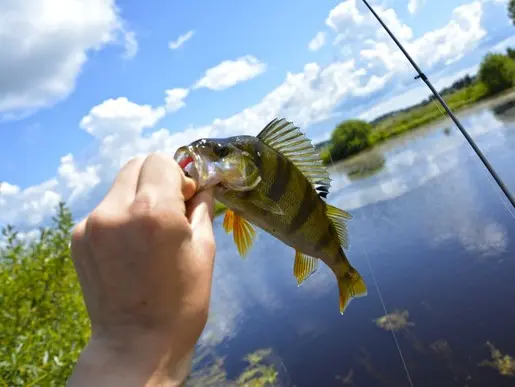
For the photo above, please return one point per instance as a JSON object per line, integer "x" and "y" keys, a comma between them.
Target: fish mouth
{"x": 188, "y": 161}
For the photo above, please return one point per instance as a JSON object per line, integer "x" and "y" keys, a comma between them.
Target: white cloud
{"x": 351, "y": 23}
{"x": 305, "y": 97}
{"x": 231, "y": 72}
{"x": 131, "y": 45}
{"x": 30, "y": 205}
{"x": 80, "y": 183}
{"x": 175, "y": 99}
{"x": 452, "y": 41}
{"x": 317, "y": 42}
{"x": 56, "y": 36}
{"x": 7, "y": 189}
{"x": 116, "y": 116}
{"x": 175, "y": 44}
{"x": 414, "y": 5}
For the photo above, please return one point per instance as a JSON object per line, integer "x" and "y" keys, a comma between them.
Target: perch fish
{"x": 277, "y": 182}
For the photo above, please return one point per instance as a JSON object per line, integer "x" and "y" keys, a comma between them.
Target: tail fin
{"x": 350, "y": 285}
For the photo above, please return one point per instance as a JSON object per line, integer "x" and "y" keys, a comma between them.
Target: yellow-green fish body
{"x": 288, "y": 181}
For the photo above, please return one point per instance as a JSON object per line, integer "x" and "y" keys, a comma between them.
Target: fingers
{"x": 200, "y": 212}
{"x": 162, "y": 180}
{"x": 122, "y": 192}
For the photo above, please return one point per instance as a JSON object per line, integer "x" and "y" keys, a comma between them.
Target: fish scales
{"x": 303, "y": 224}
{"x": 276, "y": 182}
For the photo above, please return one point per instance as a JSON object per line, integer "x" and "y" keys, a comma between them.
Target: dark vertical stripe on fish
{"x": 307, "y": 206}
{"x": 281, "y": 178}
{"x": 324, "y": 239}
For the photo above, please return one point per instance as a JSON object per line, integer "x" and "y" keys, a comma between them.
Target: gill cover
{"x": 214, "y": 162}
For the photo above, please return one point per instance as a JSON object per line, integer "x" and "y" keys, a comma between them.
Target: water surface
{"x": 433, "y": 238}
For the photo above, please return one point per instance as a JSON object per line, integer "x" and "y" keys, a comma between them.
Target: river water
{"x": 434, "y": 240}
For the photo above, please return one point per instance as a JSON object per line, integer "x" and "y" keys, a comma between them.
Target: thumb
{"x": 200, "y": 212}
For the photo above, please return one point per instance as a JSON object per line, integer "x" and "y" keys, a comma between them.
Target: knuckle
{"x": 97, "y": 225}
{"x": 156, "y": 223}
{"x": 135, "y": 160}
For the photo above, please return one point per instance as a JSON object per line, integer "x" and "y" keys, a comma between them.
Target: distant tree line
{"x": 496, "y": 74}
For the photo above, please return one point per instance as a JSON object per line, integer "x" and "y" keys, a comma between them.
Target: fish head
{"x": 221, "y": 162}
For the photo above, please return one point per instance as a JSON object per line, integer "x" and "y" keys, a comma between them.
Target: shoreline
{"x": 487, "y": 102}
{"x": 480, "y": 104}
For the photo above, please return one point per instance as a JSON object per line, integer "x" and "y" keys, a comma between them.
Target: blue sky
{"x": 109, "y": 65}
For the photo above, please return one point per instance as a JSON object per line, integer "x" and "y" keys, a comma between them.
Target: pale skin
{"x": 144, "y": 258}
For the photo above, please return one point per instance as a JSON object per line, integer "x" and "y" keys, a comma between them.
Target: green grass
{"x": 417, "y": 117}
{"x": 423, "y": 115}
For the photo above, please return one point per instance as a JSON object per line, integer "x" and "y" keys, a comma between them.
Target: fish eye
{"x": 220, "y": 150}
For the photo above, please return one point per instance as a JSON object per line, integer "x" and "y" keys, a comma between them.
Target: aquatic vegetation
{"x": 361, "y": 168}
{"x": 256, "y": 374}
{"x": 395, "y": 321}
{"x": 504, "y": 364}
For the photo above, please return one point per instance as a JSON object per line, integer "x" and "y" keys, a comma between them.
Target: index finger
{"x": 162, "y": 179}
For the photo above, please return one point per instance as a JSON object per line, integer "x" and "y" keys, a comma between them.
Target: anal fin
{"x": 304, "y": 266}
{"x": 243, "y": 232}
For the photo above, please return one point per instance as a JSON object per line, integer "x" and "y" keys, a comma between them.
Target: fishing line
{"x": 424, "y": 77}
{"x": 387, "y": 315}
{"x": 503, "y": 201}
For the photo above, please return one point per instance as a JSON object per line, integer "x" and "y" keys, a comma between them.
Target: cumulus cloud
{"x": 78, "y": 182}
{"x": 175, "y": 99}
{"x": 56, "y": 36}
{"x": 305, "y": 97}
{"x": 115, "y": 116}
{"x": 317, "y": 42}
{"x": 231, "y": 72}
{"x": 175, "y": 44}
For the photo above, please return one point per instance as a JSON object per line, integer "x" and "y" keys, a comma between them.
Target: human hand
{"x": 144, "y": 258}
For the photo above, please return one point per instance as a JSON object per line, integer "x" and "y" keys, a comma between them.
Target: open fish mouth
{"x": 189, "y": 162}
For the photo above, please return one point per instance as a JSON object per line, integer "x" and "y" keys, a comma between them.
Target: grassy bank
{"x": 417, "y": 117}
{"x": 423, "y": 115}
{"x": 496, "y": 76}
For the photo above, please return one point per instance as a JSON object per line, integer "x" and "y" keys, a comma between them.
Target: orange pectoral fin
{"x": 228, "y": 221}
{"x": 243, "y": 231}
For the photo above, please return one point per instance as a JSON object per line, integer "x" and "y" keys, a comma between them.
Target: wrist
{"x": 144, "y": 360}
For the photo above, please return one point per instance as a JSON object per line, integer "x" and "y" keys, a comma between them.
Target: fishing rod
{"x": 423, "y": 76}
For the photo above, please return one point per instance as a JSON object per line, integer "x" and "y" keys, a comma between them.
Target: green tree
{"x": 497, "y": 72}
{"x": 43, "y": 320}
{"x": 510, "y": 52}
{"x": 511, "y": 10}
{"x": 349, "y": 138}
{"x": 44, "y": 324}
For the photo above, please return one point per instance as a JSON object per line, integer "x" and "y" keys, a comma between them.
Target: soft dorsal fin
{"x": 339, "y": 219}
{"x": 287, "y": 139}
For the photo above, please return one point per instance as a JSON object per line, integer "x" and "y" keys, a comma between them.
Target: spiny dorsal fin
{"x": 287, "y": 139}
{"x": 339, "y": 218}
